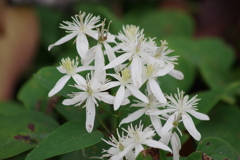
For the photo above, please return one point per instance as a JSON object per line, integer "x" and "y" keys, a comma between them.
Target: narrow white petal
{"x": 176, "y": 74}
{"x": 62, "y": 40}
{"x": 138, "y": 94}
{"x": 166, "y": 138}
{"x": 84, "y": 68}
{"x": 82, "y": 45}
{"x": 168, "y": 125}
{"x": 157, "y": 144}
{"x": 119, "y": 97}
{"x": 189, "y": 125}
{"x": 90, "y": 114}
{"x": 100, "y": 73}
{"x": 111, "y": 85}
{"x": 107, "y": 98}
{"x": 120, "y": 155}
{"x": 133, "y": 116}
{"x": 90, "y": 56}
{"x": 92, "y": 33}
{"x": 160, "y": 112}
{"x": 167, "y": 68}
{"x": 156, "y": 122}
{"x": 138, "y": 149}
{"x": 79, "y": 80}
{"x": 198, "y": 115}
{"x": 156, "y": 90}
{"x": 136, "y": 70}
{"x": 80, "y": 98}
{"x": 109, "y": 51}
{"x": 176, "y": 146}
{"x": 59, "y": 85}
{"x": 118, "y": 60}
{"x": 110, "y": 38}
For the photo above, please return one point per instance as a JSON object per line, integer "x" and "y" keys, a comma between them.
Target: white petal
{"x": 100, "y": 73}
{"x": 138, "y": 149}
{"x": 118, "y": 60}
{"x": 156, "y": 90}
{"x": 84, "y": 68}
{"x": 156, "y": 122}
{"x": 168, "y": 125}
{"x": 176, "y": 146}
{"x": 80, "y": 98}
{"x": 119, "y": 97}
{"x": 90, "y": 56}
{"x": 160, "y": 112}
{"x": 198, "y": 115}
{"x": 92, "y": 33}
{"x": 59, "y": 85}
{"x": 107, "y": 98}
{"x": 110, "y": 38}
{"x": 82, "y": 45}
{"x": 109, "y": 51}
{"x": 167, "y": 68}
{"x": 166, "y": 138}
{"x": 189, "y": 125}
{"x": 111, "y": 85}
{"x": 79, "y": 80}
{"x": 90, "y": 114}
{"x": 62, "y": 40}
{"x": 157, "y": 144}
{"x": 136, "y": 70}
{"x": 176, "y": 74}
{"x": 133, "y": 116}
{"x": 123, "y": 153}
{"x": 138, "y": 94}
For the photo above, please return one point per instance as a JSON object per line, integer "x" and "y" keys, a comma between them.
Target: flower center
{"x": 89, "y": 90}
{"x": 69, "y": 65}
{"x": 120, "y": 146}
{"x": 150, "y": 70}
{"x": 101, "y": 36}
{"x": 125, "y": 75}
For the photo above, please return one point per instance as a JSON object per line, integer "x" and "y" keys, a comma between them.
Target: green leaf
{"x": 21, "y": 130}
{"x": 169, "y": 84}
{"x": 195, "y": 156}
{"x": 49, "y": 25}
{"x": 230, "y": 92}
{"x": 69, "y": 137}
{"x": 223, "y": 124}
{"x": 218, "y": 149}
{"x": 48, "y": 77}
{"x": 33, "y": 95}
{"x": 175, "y": 23}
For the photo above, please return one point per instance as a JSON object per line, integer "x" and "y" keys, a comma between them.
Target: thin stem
{"x": 116, "y": 116}
{"x": 103, "y": 125}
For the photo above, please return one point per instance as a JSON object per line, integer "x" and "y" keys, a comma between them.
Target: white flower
{"x": 70, "y": 68}
{"x": 92, "y": 90}
{"x": 136, "y": 51}
{"x": 180, "y": 107}
{"x": 117, "y": 147}
{"x": 150, "y": 73}
{"x": 80, "y": 26}
{"x": 153, "y": 106}
{"x": 125, "y": 81}
{"x": 136, "y": 138}
{"x": 96, "y": 52}
{"x": 162, "y": 55}
{"x": 175, "y": 143}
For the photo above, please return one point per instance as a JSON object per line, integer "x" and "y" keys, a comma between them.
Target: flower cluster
{"x": 134, "y": 62}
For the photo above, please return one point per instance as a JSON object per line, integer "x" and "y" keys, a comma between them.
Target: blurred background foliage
{"x": 205, "y": 34}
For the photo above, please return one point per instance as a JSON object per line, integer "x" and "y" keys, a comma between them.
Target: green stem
{"x": 103, "y": 125}
{"x": 116, "y": 116}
